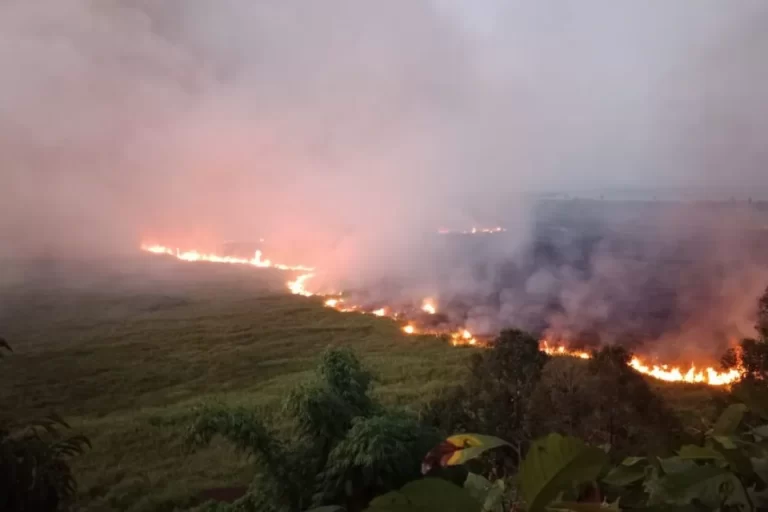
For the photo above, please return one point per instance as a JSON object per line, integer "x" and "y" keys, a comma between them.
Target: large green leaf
{"x": 489, "y": 494}
{"x": 694, "y": 452}
{"x": 477, "y": 486}
{"x": 729, "y": 420}
{"x": 459, "y": 449}
{"x": 555, "y": 464}
{"x": 727, "y": 442}
{"x": 494, "y": 500}
{"x": 470, "y": 446}
{"x": 738, "y": 460}
{"x": 761, "y": 431}
{"x": 427, "y": 495}
{"x": 631, "y": 470}
{"x": 705, "y": 484}
{"x": 755, "y": 397}
{"x": 675, "y": 464}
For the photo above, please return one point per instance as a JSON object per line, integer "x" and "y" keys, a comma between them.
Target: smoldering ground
{"x": 601, "y": 271}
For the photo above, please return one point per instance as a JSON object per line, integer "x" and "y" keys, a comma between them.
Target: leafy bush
{"x": 341, "y": 447}
{"x": 34, "y": 463}
{"x": 727, "y": 472}
{"x": 603, "y": 401}
{"x": 495, "y": 397}
{"x": 517, "y": 393}
{"x": 751, "y": 355}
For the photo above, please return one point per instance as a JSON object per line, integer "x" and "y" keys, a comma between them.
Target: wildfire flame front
{"x": 298, "y": 286}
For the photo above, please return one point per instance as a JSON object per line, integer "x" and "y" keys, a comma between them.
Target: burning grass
{"x": 458, "y": 335}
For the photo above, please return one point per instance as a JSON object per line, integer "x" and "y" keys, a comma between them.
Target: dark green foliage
{"x": 751, "y": 355}
{"x": 762, "y": 316}
{"x": 427, "y": 495}
{"x": 625, "y": 410}
{"x": 563, "y": 388}
{"x": 516, "y": 392}
{"x": 35, "y": 474}
{"x": 377, "y": 455}
{"x": 323, "y": 410}
{"x": 603, "y": 401}
{"x": 344, "y": 374}
{"x": 278, "y": 487}
{"x": 341, "y": 447}
{"x": 496, "y": 395}
{"x": 34, "y": 465}
{"x": 727, "y": 472}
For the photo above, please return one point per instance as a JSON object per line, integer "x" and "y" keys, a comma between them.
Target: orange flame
{"x": 562, "y": 351}
{"x": 692, "y": 375}
{"x": 463, "y": 337}
{"x": 663, "y": 372}
{"x": 428, "y": 306}
{"x": 297, "y": 286}
{"x": 256, "y": 261}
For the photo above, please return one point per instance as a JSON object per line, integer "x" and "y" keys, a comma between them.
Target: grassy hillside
{"x": 125, "y": 349}
{"x": 124, "y": 352}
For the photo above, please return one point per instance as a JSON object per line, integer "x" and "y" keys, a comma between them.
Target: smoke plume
{"x": 345, "y": 133}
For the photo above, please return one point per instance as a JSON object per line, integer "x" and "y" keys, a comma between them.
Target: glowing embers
{"x": 472, "y": 231}
{"x": 428, "y": 306}
{"x": 561, "y": 350}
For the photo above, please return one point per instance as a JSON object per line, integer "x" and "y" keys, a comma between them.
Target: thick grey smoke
{"x": 343, "y": 131}
{"x": 233, "y": 119}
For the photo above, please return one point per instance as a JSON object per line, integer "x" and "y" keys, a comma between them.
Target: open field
{"x": 123, "y": 357}
{"x": 124, "y": 351}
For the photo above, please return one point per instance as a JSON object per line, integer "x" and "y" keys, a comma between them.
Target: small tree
{"x": 762, "y": 316}
{"x": 603, "y": 401}
{"x": 561, "y": 400}
{"x": 495, "y": 397}
{"x": 751, "y": 355}
{"x": 341, "y": 447}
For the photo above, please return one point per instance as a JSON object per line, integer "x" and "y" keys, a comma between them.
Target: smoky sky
{"x": 199, "y": 121}
{"x": 345, "y": 133}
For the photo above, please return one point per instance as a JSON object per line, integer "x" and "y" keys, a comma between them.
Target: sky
{"x": 350, "y": 124}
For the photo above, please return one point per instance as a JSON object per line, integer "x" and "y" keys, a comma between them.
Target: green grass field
{"x": 124, "y": 354}
{"x": 124, "y": 350}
